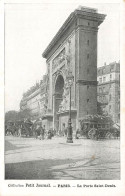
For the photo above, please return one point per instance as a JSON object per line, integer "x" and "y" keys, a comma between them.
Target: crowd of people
{"x": 41, "y": 132}
{"x": 29, "y": 128}
{"x": 36, "y": 129}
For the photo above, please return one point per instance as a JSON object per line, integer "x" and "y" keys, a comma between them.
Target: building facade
{"x": 73, "y": 49}
{"x": 35, "y": 99}
{"x": 108, "y": 77}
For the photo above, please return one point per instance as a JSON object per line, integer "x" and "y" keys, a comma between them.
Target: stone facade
{"x": 109, "y": 90}
{"x": 74, "y": 48}
{"x": 35, "y": 99}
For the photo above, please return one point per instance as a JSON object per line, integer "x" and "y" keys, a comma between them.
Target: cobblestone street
{"x": 28, "y": 158}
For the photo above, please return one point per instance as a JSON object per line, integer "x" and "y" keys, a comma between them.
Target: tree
{"x": 24, "y": 114}
{"x": 11, "y": 116}
{"x": 17, "y": 115}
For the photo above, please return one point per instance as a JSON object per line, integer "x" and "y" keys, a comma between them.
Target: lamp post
{"x": 70, "y": 79}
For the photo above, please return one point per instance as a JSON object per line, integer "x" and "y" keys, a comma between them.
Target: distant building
{"x": 108, "y": 91}
{"x": 35, "y": 99}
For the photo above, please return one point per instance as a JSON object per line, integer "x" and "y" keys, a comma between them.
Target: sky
{"x": 30, "y": 27}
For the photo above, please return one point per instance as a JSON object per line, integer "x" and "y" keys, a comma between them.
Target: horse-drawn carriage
{"x": 25, "y": 128}
{"x": 98, "y": 127}
{"x": 19, "y": 128}
{"x": 28, "y": 128}
{"x": 10, "y": 128}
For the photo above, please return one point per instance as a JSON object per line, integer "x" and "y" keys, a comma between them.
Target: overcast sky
{"x": 28, "y": 30}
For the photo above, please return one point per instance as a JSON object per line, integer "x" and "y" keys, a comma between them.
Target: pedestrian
{"x": 19, "y": 131}
{"x": 49, "y": 134}
{"x": 43, "y": 131}
{"x": 37, "y": 131}
{"x": 64, "y": 130}
{"x": 77, "y": 132}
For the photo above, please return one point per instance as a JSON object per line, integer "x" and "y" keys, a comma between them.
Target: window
{"x": 100, "y": 98}
{"x": 104, "y": 79}
{"x": 87, "y": 56}
{"x": 88, "y": 23}
{"x": 95, "y": 126}
{"x": 87, "y": 100}
{"x": 98, "y": 71}
{"x": 100, "y": 90}
{"x": 110, "y": 76}
{"x": 109, "y": 108}
{"x": 100, "y": 80}
{"x": 99, "y": 125}
{"x": 91, "y": 125}
{"x": 118, "y": 106}
{"x": 103, "y": 89}
{"x": 110, "y": 97}
{"x": 111, "y": 68}
{"x": 108, "y": 126}
{"x": 104, "y": 98}
{"x": 103, "y": 70}
{"x": 88, "y": 42}
{"x": 103, "y": 125}
{"x": 87, "y": 87}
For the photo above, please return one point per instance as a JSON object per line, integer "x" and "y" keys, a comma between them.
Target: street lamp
{"x": 69, "y": 79}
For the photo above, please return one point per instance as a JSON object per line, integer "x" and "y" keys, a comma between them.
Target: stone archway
{"x": 58, "y": 97}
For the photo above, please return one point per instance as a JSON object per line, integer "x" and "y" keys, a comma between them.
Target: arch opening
{"x": 59, "y": 89}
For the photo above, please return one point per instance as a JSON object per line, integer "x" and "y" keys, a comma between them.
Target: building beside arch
{"x": 108, "y": 91}
{"x": 34, "y": 99}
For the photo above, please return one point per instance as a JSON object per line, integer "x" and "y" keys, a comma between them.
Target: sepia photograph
{"x": 62, "y": 91}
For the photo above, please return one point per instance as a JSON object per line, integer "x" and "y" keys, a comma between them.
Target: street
{"x": 29, "y": 158}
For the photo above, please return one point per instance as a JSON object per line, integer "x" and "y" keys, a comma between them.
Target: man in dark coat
{"x": 43, "y": 132}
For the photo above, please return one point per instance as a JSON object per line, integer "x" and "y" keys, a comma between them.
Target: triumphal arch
{"x": 73, "y": 48}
